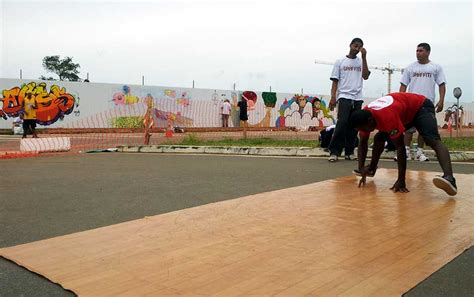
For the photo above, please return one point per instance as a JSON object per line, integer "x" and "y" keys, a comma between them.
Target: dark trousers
{"x": 344, "y": 136}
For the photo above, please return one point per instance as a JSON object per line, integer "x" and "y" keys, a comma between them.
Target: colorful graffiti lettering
{"x": 52, "y": 105}
{"x": 318, "y": 107}
{"x": 125, "y": 97}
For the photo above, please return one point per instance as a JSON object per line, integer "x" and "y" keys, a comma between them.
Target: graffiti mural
{"x": 52, "y": 105}
{"x": 451, "y": 119}
{"x": 269, "y": 100}
{"x": 165, "y": 110}
{"x": 125, "y": 97}
{"x": 303, "y": 106}
{"x": 125, "y": 106}
{"x": 251, "y": 98}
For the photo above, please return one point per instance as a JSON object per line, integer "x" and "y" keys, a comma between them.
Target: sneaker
{"x": 408, "y": 152}
{"x": 350, "y": 157}
{"x": 332, "y": 158}
{"x": 420, "y": 156}
{"x": 370, "y": 174}
{"x": 447, "y": 184}
{"x": 395, "y": 158}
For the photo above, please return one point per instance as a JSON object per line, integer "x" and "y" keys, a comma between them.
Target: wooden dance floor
{"x": 323, "y": 239}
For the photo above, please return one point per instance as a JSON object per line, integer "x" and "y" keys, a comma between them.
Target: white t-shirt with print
{"x": 226, "y": 108}
{"x": 422, "y": 78}
{"x": 348, "y": 72}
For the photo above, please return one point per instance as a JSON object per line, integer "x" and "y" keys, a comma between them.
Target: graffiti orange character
{"x": 51, "y": 106}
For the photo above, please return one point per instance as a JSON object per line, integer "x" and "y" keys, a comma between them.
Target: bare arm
{"x": 442, "y": 93}
{"x": 365, "y": 67}
{"x": 332, "y": 103}
{"x": 400, "y": 185}
{"x": 362, "y": 151}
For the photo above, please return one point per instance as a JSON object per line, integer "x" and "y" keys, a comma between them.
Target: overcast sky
{"x": 255, "y": 44}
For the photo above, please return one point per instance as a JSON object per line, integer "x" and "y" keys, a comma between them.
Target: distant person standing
{"x": 421, "y": 77}
{"x": 17, "y": 126}
{"x": 29, "y": 115}
{"x": 346, "y": 91}
{"x": 243, "y": 114}
{"x": 225, "y": 111}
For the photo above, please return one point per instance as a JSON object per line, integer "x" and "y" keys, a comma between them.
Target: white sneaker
{"x": 350, "y": 157}
{"x": 420, "y": 156}
{"x": 332, "y": 158}
{"x": 395, "y": 158}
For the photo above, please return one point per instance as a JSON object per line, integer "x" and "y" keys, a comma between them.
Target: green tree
{"x": 64, "y": 68}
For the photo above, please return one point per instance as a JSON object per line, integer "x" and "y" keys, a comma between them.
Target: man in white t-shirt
{"x": 346, "y": 90}
{"x": 421, "y": 77}
{"x": 225, "y": 110}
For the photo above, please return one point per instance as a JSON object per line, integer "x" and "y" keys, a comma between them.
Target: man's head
{"x": 355, "y": 46}
{"x": 362, "y": 120}
{"x": 423, "y": 52}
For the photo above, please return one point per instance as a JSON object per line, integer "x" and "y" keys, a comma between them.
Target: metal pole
{"x": 301, "y": 91}
{"x": 21, "y": 74}
{"x": 390, "y": 71}
{"x": 193, "y": 83}
{"x": 270, "y": 88}
{"x": 87, "y": 75}
{"x": 457, "y": 92}
{"x": 457, "y": 118}
{"x": 234, "y": 86}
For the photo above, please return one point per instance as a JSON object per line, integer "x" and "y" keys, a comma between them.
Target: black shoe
{"x": 447, "y": 184}
{"x": 370, "y": 174}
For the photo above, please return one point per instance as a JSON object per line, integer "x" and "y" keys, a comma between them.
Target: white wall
{"x": 95, "y": 104}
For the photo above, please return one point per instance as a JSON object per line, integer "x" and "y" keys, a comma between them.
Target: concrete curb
{"x": 265, "y": 151}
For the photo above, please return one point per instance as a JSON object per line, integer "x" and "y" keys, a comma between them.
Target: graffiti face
{"x": 316, "y": 107}
{"x": 119, "y": 99}
{"x": 125, "y": 97}
{"x": 301, "y": 100}
{"x": 51, "y": 106}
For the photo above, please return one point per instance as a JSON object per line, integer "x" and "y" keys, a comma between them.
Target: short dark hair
{"x": 425, "y": 45}
{"x": 357, "y": 39}
{"x": 359, "y": 118}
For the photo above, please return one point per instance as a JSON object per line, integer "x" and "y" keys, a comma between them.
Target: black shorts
{"x": 425, "y": 122}
{"x": 27, "y": 124}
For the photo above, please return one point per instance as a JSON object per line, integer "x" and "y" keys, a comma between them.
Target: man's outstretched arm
{"x": 400, "y": 185}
